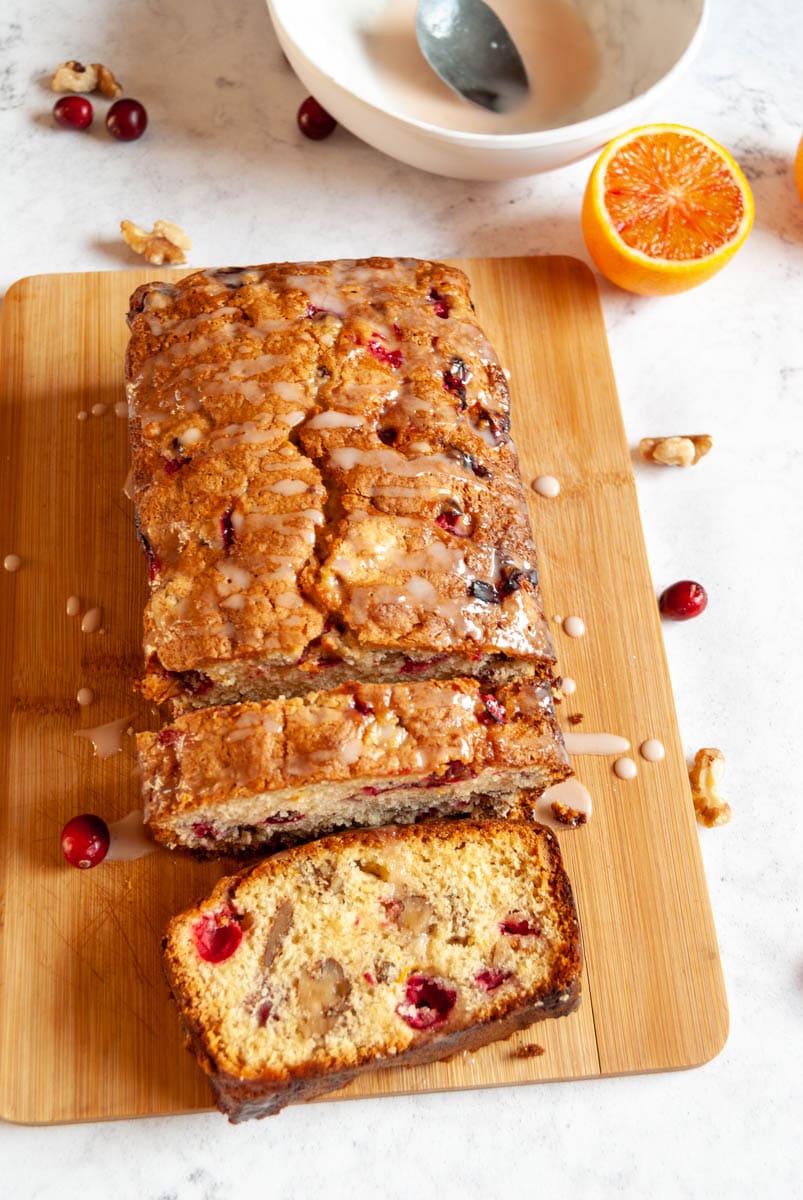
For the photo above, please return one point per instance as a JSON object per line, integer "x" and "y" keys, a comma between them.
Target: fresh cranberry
{"x": 217, "y": 935}
{"x": 85, "y": 841}
{"x": 683, "y": 600}
{"x": 439, "y": 303}
{"x": 314, "y": 121}
{"x": 520, "y": 926}
{"x": 494, "y": 710}
{"x": 490, "y": 980}
{"x": 73, "y": 112}
{"x": 126, "y": 120}
{"x": 427, "y": 1002}
{"x": 227, "y": 528}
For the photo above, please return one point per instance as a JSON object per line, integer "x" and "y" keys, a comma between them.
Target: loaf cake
{"x": 376, "y": 948}
{"x": 325, "y": 485}
{"x": 261, "y": 775}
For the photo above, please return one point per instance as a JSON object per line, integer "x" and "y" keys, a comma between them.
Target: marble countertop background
{"x": 223, "y": 158}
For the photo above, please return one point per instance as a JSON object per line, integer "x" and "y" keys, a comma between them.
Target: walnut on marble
{"x": 74, "y": 76}
{"x": 682, "y": 450}
{"x": 705, "y": 776}
{"x": 166, "y": 242}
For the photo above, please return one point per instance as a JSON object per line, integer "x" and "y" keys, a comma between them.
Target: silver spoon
{"x": 468, "y": 46}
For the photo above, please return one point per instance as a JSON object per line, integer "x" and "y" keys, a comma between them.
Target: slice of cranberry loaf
{"x": 261, "y": 775}
{"x": 325, "y": 484}
{"x": 377, "y": 948}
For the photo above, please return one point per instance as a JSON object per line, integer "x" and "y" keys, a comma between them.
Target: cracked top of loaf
{"x": 322, "y": 464}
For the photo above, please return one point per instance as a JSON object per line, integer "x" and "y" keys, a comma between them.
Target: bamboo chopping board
{"x": 86, "y": 1026}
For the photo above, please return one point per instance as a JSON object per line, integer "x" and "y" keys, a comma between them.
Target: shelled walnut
{"x": 74, "y": 76}
{"x": 677, "y": 451}
{"x": 705, "y": 776}
{"x": 165, "y": 243}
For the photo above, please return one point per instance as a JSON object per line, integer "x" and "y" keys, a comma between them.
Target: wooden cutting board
{"x": 87, "y": 1030}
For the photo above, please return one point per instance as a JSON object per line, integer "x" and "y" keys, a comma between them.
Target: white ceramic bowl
{"x": 597, "y": 65}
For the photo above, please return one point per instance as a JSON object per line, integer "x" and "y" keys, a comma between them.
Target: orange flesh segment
{"x": 671, "y": 196}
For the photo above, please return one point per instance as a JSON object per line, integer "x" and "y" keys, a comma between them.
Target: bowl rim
{"x": 577, "y": 131}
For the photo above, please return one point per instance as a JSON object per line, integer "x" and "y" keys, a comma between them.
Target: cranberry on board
{"x": 73, "y": 112}
{"x": 127, "y": 120}
{"x": 683, "y": 600}
{"x": 85, "y": 841}
{"x": 314, "y": 121}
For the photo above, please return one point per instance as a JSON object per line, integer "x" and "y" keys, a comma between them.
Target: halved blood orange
{"x": 665, "y": 208}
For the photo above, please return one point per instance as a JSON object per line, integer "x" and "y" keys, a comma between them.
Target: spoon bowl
{"x": 468, "y": 46}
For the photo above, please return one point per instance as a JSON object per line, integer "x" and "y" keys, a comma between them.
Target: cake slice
{"x": 325, "y": 484}
{"x": 377, "y": 948}
{"x": 262, "y": 775}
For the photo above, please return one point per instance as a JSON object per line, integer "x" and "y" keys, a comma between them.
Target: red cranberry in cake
{"x": 85, "y": 841}
{"x": 364, "y": 709}
{"x": 683, "y": 600}
{"x": 455, "y": 521}
{"x": 127, "y": 120}
{"x": 217, "y": 935}
{"x": 427, "y": 1002}
{"x": 494, "y": 710}
{"x": 314, "y": 121}
{"x": 439, "y": 303}
{"x": 227, "y": 528}
{"x": 414, "y": 666}
{"x": 73, "y": 112}
{"x": 491, "y": 979}
{"x": 381, "y": 353}
{"x": 518, "y": 924}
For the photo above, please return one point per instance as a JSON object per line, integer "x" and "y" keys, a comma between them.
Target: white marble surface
{"x": 223, "y": 157}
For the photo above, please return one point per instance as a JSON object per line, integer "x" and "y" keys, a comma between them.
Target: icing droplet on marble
{"x": 595, "y": 743}
{"x": 129, "y": 839}
{"x": 546, "y": 485}
{"x": 574, "y": 626}
{"x": 73, "y": 606}
{"x": 92, "y": 620}
{"x": 107, "y": 739}
{"x": 625, "y": 768}
{"x": 570, "y": 796}
{"x": 652, "y": 750}
{"x": 568, "y": 685}
{"x": 12, "y": 562}
{"x": 85, "y": 696}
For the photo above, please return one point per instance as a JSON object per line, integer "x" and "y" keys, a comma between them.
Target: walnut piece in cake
{"x": 705, "y": 777}
{"x": 680, "y": 451}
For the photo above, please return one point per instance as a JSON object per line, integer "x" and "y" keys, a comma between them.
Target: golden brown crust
{"x": 253, "y": 1091}
{"x": 259, "y": 775}
{"x": 323, "y": 473}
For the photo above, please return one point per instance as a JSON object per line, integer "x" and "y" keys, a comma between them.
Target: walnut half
{"x": 682, "y": 451}
{"x": 165, "y": 243}
{"x": 73, "y": 76}
{"x": 705, "y": 777}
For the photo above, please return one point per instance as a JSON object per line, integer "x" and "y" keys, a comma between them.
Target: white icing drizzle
{"x": 625, "y": 768}
{"x": 546, "y": 485}
{"x": 289, "y": 487}
{"x": 92, "y": 620}
{"x": 107, "y": 739}
{"x": 129, "y": 839}
{"x": 85, "y": 696}
{"x": 73, "y": 606}
{"x": 332, "y": 419}
{"x": 574, "y": 627}
{"x": 12, "y": 562}
{"x": 595, "y": 743}
{"x": 652, "y": 750}
{"x": 571, "y": 794}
